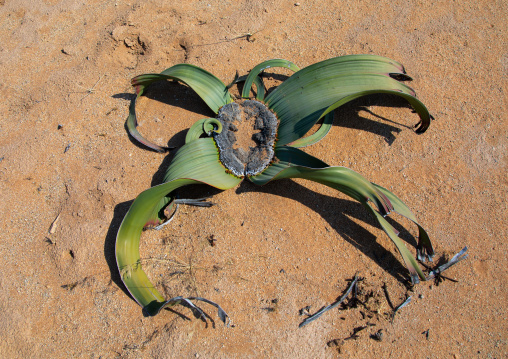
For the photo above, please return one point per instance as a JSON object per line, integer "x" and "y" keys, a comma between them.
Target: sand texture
{"x": 69, "y": 172}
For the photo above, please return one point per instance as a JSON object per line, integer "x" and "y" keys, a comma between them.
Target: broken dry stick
{"x": 406, "y": 302}
{"x": 331, "y": 306}
{"x": 456, "y": 259}
{"x": 197, "y": 310}
{"x": 52, "y": 228}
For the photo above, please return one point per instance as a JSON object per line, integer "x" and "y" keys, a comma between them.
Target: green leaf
{"x": 212, "y": 90}
{"x": 258, "y": 81}
{"x": 132, "y": 125}
{"x": 293, "y": 163}
{"x": 316, "y": 136}
{"x": 314, "y": 91}
{"x": 196, "y": 162}
{"x": 253, "y": 74}
{"x": 207, "y": 86}
{"x": 409, "y": 260}
{"x": 203, "y": 127}
{"x": 424, "y": 248}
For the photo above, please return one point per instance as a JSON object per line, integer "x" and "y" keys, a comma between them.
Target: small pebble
{"x": 378, "y": 336}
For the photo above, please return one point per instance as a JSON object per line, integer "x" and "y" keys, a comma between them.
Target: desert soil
{"x": 65, "y": 70}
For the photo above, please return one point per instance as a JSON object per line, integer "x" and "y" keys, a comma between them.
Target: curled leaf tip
{"x": 424, "y": 253}
{"x": 155, "y": 307}
{"x": 400, "y": 76}
{"x": 421, "y": 127}
{"x": 138, "y": 89}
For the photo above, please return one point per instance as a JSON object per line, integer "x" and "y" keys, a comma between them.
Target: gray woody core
{"x": 251, "y": 161}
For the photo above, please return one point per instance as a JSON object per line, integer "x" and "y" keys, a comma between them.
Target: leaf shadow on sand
{"x": 337, "y": 213}
{"x": 173, "y": 94}
{"x": 110, "y": 241}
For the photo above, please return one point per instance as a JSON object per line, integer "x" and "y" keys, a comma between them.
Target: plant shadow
{"x": 348, "y": 116}
{"x": 110, "y": 242}
{"x": 172, "y": 93}
{"x": 338, "y": 213}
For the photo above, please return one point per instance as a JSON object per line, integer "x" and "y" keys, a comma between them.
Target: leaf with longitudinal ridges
{"x": 196, "y": 162}
{"x": 207, "y": 86}
{"x": 316, "y": 136}
{"x": 293, "y": 163}
{"x": 253, "y": 75}
{"x": 424, "y": 249}
{"x": 212, "y": 90}
{"x": 258, "y": 81}
{"x": 314, "y": 91}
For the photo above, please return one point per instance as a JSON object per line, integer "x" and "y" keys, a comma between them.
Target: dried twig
{"x": 387, "y": 295}
{"x": 406, "y": 302}
{"x": 52, "y": 228}
{"x": 248, "y": 36}
{"x": 90, "y": 90}
{"x": 331, "y": 306}
{"x": 198, "y": 202}
{"x": 354, "y": 335}
{"x": 456, "y": 259}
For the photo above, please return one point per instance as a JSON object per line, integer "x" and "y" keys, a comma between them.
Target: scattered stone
{"x": 335, "y": 343}
{"x": 52, "y": 228}
{"x": 129, "y": 42}
{"x": 119, "y": 32}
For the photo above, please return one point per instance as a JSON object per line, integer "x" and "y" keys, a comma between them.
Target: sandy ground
{"x": 65, "y": 70}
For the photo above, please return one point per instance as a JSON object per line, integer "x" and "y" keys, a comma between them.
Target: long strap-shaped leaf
{"x": 316, "y": 90}
{"x": 253, "y": 74}
{"x": 425, "y": 251}
{"x": 212, "y": 90}
{"x": 197, "y": 162}
{"x": 294, "y": 163}
{"x": 258, "y": 81}
{"x": 132, "y": 127}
